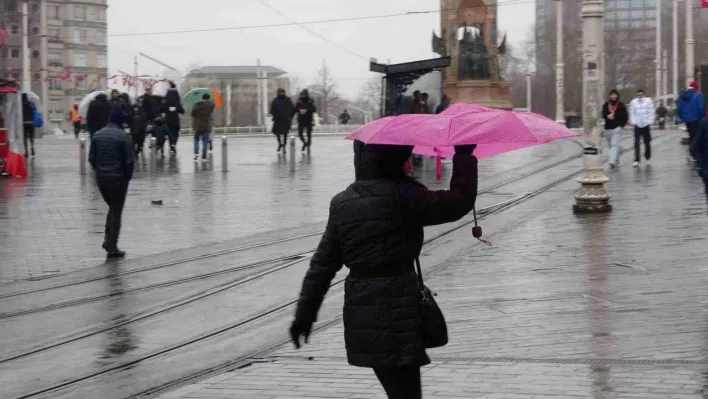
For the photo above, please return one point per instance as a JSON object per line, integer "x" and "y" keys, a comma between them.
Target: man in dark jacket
{"x": 615, "y": 114}
{"x": 150, "y": 104}
{"x": 119, "y": 101}
{"x": 375, "y": 228}
{"x": 112, "y": 158}
{"x": 344, "y": 117}
{"x": 172, "y": 109}
{"x": 691, "y": 108}
{"x": 282, "y": 109}
{"x": 699, "y": 150}
{"x": 97, "y": 115}
{"x": 160, "y": 132}
{"x": 201, "y": 124}
{"x": 305, "y": 109}
{"x": 28, "y": 110}
{"x": 138, "y": 128}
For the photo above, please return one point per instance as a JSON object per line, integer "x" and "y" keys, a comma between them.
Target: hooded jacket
{"x": 375, "y": 228}
{"x": 691, "y": 106}
{"x": 201, "y": 116}
{"x": 620, "y": 111}
{"x": 308, "y": 105}
{"x": 98, "y": 112}
{"x": 172, "y": 108}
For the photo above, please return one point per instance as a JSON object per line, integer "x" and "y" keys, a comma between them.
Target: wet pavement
{"x": 52, "y": 223}
{"x": 557, "y": 306}
{"x": 562, "y": 306}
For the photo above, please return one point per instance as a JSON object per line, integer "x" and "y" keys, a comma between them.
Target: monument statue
{"x": 468, "y": 37}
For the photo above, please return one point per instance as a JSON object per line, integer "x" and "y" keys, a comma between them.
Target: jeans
{"x": 642, "y": 133}
{"x": 400, "y": 383}
{"x": 204, "y": 138}
{"x": 613, "y": 137}
{"x": 113, "y": 192}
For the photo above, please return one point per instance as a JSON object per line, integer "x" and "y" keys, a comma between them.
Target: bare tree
{"x": 369, "y": 97}
{"x": 325, "y": 91}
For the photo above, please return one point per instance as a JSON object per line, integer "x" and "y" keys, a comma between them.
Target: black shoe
{"x": 280, "y": 147}
{"x": 115, "y": 254}
{"x": 173, "y": 149}
{"x": 304, "y": 147}
{"x": 33, "y": 152}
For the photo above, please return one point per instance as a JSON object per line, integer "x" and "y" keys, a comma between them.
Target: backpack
{"x": 37, "y": 120}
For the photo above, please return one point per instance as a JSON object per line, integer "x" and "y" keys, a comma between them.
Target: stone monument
{"x": 473, "y": 75}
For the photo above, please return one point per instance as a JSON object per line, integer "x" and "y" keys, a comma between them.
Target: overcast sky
{"x": 291, "y": 48}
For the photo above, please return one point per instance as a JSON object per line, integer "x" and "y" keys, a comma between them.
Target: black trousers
{"x": 113, "y": 192}
{"x": 642, "y": 133}
{"x": 77, "y": 129}
{"x": 692, "y": 127}
{"x": 301, "y": 129}
{"x": 29, "y": 136}
{"x": 400, "y": 383}
{"x": 138, "y": 141}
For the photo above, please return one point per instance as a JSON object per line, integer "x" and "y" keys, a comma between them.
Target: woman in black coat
{"x": 375, "y": 228}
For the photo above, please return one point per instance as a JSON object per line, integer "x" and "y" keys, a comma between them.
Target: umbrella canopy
{"x": 494, "y": 131}
{"x": 195, "y": 95}
{"x": 32, "y": 97}
{"x": 84, "y": 104}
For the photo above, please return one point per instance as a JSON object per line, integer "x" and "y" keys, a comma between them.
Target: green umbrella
{"x": 195, "y": 95}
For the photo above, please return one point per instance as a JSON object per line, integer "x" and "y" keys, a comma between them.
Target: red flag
{"x": 704, "y": 3}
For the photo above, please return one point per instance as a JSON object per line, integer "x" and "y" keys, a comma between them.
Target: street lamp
{"x": 657, "y": 59}
{"x": 528, "y": 91}
{"x": 592, "y": 197}
{"x": 690, "y": 43}
{"x": 560, "y": 88}
{"x": 674, "y": 42}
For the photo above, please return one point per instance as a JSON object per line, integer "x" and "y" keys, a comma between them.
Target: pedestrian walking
{"x": 614, "y": 112}
{"x": 281, "y": 110}
{"x": 76, "y": 120}
{"x": 642, "y": 116}
{"x": 98, "y": 112}
{"x": 119, "y": 101}
{"x": 691, "y": 109}
{"x": 28, "y": 115}
{"x": 201, "y": 123}
{"x": 172, "y": 109}
{"x": 138, "y": 129}
{"x": 699, "y": 151}
{"x": 160, "y": 132}
{"x": 375, "y": 228}
{"x": 112, "y": 158}
{"x": 305, "y": 109}
{"x": 661, "y": 114}
{"x": 150, "y": 105}
{"x": 344, "y": 117}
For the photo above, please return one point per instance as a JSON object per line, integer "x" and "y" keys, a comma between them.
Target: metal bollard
{"x": 153, "y": 152}
{"x": 292, "y": 153}
{"x": 82, "y": 156}
{"x": 224, "y": 155}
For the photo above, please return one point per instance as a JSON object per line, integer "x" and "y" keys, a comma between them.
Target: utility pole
{"x": 44, "y": 62}
{"x": 674, "y": 60}
{"x": 690, "y": 44}
{"x": 560, "y": 66}
{"x": 26, "y": 77}
{"x": 665, "y": 74}
{"x": 528, "y": 91}
{"x": 592, "y": 197}
{"x": 259, "y": 95}
{"x": 657, "y": 59}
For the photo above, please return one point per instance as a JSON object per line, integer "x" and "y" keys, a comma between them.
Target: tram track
{"x": 278, "y": 308}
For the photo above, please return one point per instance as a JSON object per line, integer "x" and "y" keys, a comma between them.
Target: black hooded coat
{"x": 375, "y": 228}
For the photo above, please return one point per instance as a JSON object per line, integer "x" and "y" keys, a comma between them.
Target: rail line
{"x": 482, "y": 214}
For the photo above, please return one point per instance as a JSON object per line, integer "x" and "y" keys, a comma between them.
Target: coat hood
{"x": 101, "y": 97}
{"x": 380, "y": 161}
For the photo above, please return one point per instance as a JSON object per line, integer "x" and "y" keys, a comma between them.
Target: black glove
{"x": 300, "y": 329}
{"x": 466, "y": 149}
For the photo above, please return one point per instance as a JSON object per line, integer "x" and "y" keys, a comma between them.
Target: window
{"x": 12, "y": 5}
{"x": 15, "y": 29}
{"x": 35, "y": 54}
{"x": 623, "y": 15}
{"x": 35, "y": 7}
{"x": 35, "y": 30}
{"x": 54, "y": 84}
{"x": 101, "y": 61}
{"x": 102, "y": 38}
{"x": 623, "y": 4}
{"x": 54, "y": 58}
{"x": 80, "y": 13}
{"x": 36, "y": 76}
{"x": 79, "y": 36}
{"x": 55, "y": 106}
{"x": 80, "y": 60}
{"x": 53, "y": 12}
{"x": 101, "y": 15}
{"x": 82, "y": 84}
{"x": 16, "y": 76}
{"x": 15, "y": 52}
{"x": 53, "y": 33}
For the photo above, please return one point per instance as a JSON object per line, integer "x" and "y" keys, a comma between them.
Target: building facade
{"x": 68, "y": 51}
{"x": 243, "y": 82}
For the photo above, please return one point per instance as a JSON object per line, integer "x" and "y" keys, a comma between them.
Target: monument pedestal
{"x": 487, "y": 93}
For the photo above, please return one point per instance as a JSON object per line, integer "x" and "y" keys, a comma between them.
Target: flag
{"x": 704, "y": 3}
{"x": 3, "y": 37}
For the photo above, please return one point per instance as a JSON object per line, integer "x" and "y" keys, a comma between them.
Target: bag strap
{"x": 420, "y": 273}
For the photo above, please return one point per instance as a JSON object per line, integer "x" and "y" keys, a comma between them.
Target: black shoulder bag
{"x": 433, "y": 327}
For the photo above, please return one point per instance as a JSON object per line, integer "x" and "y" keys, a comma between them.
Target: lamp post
{"x": 528, "y": 91}
{"x": 657, "y": 59}
{"x": 674, "y": 56}
{"x": 690, "y": 43}
{"x": 560, "y": 67}
{"x": 592, "y": 197}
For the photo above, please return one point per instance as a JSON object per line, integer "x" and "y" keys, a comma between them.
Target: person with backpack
{"x": 201, "y": 124}
{"x": 28, "y": 122}
{"x": 691, "y": 109}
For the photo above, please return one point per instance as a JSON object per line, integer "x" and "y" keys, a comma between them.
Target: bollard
{"x": 292, "y": 153}
{"x": 153, "y": 152}
{"x": 224, "y": 155}
{"x": 82, "y": 156}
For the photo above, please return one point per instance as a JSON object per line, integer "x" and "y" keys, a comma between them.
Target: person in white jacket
{"x": 641, "y": 115}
